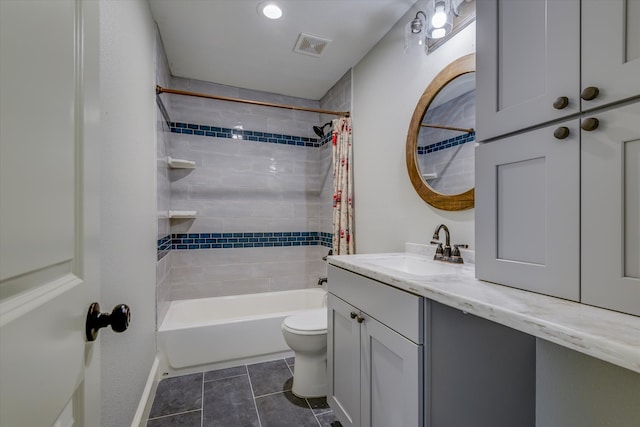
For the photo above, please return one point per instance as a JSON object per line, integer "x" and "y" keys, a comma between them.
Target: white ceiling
{"x": 227, "y": 42}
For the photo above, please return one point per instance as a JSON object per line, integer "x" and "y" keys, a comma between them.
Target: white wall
{"x": 127, "y": 69}
{"x": 386, "y": 87}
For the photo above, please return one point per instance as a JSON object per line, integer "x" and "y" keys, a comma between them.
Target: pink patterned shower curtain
{"x": 343, "y": 241}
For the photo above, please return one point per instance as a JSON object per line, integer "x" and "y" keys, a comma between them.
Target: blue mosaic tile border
{"x": 164, "y": 246}
{"x": 447, "y": 143}
{"x": 248, "y": 135}
{"x": 248, "y": 240}
{"x": 326, "y": 239}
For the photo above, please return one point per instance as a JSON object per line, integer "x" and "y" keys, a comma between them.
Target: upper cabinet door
{"x": 611, "y": 210}
{"x": 610, "y": 50}
{"x": 528, "y": 59}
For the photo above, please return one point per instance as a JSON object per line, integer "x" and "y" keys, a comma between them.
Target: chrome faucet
{"x": 322, "y": 280}
{"x": 446, "y": 254}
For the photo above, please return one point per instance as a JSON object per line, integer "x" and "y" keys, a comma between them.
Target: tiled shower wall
{"x": 449, "y": 154}
{"x": 163, "y": 189}
{"x": 262, "y": 189}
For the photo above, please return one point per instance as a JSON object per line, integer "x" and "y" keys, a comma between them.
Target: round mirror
{"x": 440, "y": 141}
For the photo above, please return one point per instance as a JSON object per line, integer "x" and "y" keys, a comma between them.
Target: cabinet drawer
{"x": 399, "y": 310}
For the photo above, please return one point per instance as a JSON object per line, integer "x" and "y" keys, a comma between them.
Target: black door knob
{"x": 119, "y": 319}
{"x": 590, "y": 93}
{"x": 562, "y": 132}
{"x": 590, "y": 124}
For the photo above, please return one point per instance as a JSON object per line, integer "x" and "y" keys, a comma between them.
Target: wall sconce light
{"x": 415, "y": 35}
{"x": 435, "y": 23}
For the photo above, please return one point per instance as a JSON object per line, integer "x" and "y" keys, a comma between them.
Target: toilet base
{"x": 310, "y": 376}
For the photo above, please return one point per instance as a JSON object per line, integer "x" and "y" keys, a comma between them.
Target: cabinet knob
{"x": 590, "y": 124}
{"x": 360, "y": 319}
{"x": 353, "y": 314}
{"x": 590, "y": 93}
{"x": 562, "y": 132}
{"x": 561, "y": 103}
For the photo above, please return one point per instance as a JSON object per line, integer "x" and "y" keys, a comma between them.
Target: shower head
{"x": 319, "y": 130}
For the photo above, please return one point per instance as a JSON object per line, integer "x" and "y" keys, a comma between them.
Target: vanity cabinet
{"x": 536, "y": 58}
{"x": 374, "y": 352}
{"x": 528, "y": 211}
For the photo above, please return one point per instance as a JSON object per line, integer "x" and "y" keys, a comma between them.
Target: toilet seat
{"x": 312, "y": 322}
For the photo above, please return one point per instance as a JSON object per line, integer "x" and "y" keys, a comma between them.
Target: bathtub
{"x": 221, "y": 330}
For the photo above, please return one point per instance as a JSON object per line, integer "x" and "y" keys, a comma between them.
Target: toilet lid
{"x": 312, "y": 320}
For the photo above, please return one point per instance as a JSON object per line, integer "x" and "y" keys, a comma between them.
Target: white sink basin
{"x": 416, "y": 265}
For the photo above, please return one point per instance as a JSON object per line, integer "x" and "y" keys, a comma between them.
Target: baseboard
{"x": 144, "y": 406}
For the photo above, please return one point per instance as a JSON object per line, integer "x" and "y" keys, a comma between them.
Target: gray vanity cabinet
{"x": 374, "y": 352}
{"x": 536, "y": 58}
{"x": 528, "y": 211}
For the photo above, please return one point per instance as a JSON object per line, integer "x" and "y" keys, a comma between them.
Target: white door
{"x": 49, "y": 212}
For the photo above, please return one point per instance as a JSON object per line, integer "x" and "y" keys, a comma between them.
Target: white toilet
{"x": 306, "y": 334}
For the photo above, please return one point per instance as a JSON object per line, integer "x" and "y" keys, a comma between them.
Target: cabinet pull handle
{"x": 561, "y": 103}
{"x": 590, "y": 93}
{"x": 562, "y": 132}
{"x": 360, "y": 319}
{"x": 353, "y": 314}
{"x": 590, "y": 124}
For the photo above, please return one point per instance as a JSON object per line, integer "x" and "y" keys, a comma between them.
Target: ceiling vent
{"x": 311, "y": 45}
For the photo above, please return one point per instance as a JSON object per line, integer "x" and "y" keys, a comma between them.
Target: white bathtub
{"x": 212, "y": 331}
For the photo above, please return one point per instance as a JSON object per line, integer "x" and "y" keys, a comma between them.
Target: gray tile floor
{"x": 257, "y": 395}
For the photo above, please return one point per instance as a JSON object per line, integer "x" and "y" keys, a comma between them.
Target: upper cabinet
{"x": 539, "y": 62}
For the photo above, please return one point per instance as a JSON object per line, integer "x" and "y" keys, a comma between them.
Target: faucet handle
{"x": 439, "y": 252}
{"x": 456, "y": 257}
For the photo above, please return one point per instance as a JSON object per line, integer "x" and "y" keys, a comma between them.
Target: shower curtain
{"x": 343, "y": 242}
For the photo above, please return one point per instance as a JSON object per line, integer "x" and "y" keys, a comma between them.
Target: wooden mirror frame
{"x": 455, "y": 202}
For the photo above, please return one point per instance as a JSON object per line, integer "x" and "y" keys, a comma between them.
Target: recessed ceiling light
{"x": 270, "y": 10}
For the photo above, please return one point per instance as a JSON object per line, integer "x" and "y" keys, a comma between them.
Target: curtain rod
{"x": 160, "y": 89}
{"x": 470, "y": 130}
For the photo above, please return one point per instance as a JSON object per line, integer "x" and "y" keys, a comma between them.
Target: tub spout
{"x": 321, "y": 281}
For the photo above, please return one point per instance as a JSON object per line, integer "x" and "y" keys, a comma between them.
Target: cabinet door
{"x": 343, "y": 362}
{"x": 391, "y": 374}
{"x": 610, "y": 50}
{"x": 611, "y": 211}
{"x": 528, "y": 55}
{"x": 528, "y": 211}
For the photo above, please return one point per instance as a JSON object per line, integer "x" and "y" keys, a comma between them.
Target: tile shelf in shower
{"x": 182, "y": 214}
{"x": 180, "y": 163}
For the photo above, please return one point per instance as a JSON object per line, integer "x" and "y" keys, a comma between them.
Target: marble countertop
{"x": 607, "y": 335}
